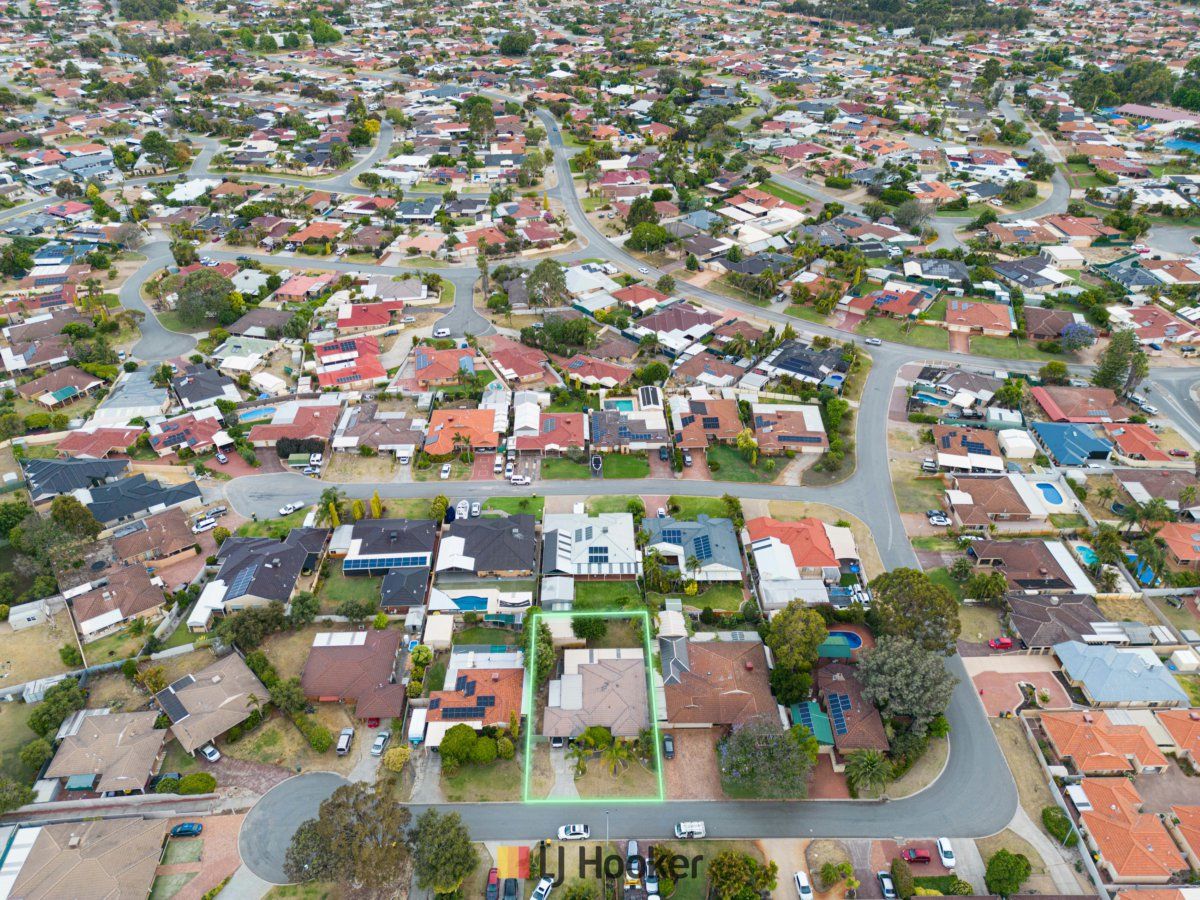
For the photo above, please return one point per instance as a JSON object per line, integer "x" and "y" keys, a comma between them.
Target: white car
{"x": 574, "y": 833}
{"x": 445, "y": 473}
{"x": 1149, "y": 409}
{"x": 211, "y": 753}
{"x": 643, "y": 270}
{"x": 873, "y": 342}
{"x": 803, "y": 886}
{"x": 945, "y": 853}
{"x": 288, "y": 508}
{"x": 542, "y": 891}
{"x": 476, "y": 509}
{"x": 441, "y": 332}
{"x": 380, "y": 742}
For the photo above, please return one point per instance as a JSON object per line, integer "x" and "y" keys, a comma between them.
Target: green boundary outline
{"x": 527, "y": 706}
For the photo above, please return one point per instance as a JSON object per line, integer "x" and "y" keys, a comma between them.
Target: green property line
{"x": 527, "y": 707}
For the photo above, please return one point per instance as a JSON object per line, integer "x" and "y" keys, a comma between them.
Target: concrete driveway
{"x": 269, "y": 826}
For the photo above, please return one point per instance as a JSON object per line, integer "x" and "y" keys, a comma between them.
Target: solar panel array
{"x": 462, "y": 712}
{"x": 804, "y": 714}
{"x": 597, "y": 554}
{"x": 703, "y": 547}
{"x": 241, "y": 582}
{"x": 711, "y": 423}
{"x": 839, "y": 705}
{"x": 672, "y": 535}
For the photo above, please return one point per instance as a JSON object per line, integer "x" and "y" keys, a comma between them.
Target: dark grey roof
{"x": 505, "y": 543}
{"x": 709, "y": 540}
{"x": 1025, "y": 272}
{"x": 610, "y": 428}
{"x": 51, "y": 477}
{"x": 808, "y": 362}
{"x": 199, "y": 383}
{"x": 1043, "y": 621}
{"x": 260, "y": 318}
{"x": 395, "y": 536}
{"x": 137, "y": 495}
{"x": 266, "y": 567}
{"x": 674, "y": 654}
{"x": 404, "y": 587}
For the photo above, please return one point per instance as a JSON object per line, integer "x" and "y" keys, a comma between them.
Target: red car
{"x": 1178, "y": 452}
{"x": 372, "y": 723}
{"x": 1001, "y": 643}
{"x": 920, "y": 857}
{"x": 492, "y": 891}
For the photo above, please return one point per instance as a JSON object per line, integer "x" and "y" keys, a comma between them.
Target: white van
{"x": 689, "y": 830}
{"x": 204, "y": 525}
{"x": 803, "y": 888}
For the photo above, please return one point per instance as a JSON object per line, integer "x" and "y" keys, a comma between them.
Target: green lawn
{"x": 171, "y": 321}
{"x": 917, "y": 494}
{"x": 14, "y": 734}
{"x": 690, "y": 507}
{"x": 571, "y": 403}
{"x": 1010, "y": 348}
{"x": 517, "y": 505}
{"x": 894, "y": 330}
{"x": 181, "y": 636}
{"x": 119, "y": 645}
{"x": 723, "y": 596}
{"x": 942, "y": 577}
{"x": 1067, "y": 520}
{"x": 611, "y": 503}
{"x": 808, "y": 313}
{"x": 337, "y": 588}
{"x": 607, "y": 595}
{"x": 735, "y": 467}
{"x": 561, "y": 468}
{"x": 785, "y": 193}
{"x": 481, "y": 634}
{"x": 176, "y": 759}
{"x": 500, "y": 780}
{"x": 276, "y": 528}
{"x": 625, "y": 465}
{"x": 458, "y": 471}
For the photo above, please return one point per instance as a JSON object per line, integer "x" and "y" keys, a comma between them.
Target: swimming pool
{"x": 932, "y": 399}
{"x": 849, "y": 638}
{"x": 1087, "y": 554}
{"x": 471, "y": 604}
{"x": 622, "y": 405}
{"x": 262, "y": 412}
{"x": 1050, "y": 492}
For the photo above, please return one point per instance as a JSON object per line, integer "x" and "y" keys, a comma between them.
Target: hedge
{"x": 1058, "y": 823}
{"x": 197, "y": 783}
{"x": 318, "y": 736}
{"x": 167, "y": 786}
{"x": 922, "y": 418}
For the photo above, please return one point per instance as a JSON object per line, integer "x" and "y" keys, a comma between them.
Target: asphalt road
{"x": 157, "y": 342}
{"x": 268, "y": 827}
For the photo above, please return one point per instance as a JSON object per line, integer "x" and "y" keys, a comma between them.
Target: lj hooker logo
{"x": 584, "y": 863}
{"x": 513, "y": 862}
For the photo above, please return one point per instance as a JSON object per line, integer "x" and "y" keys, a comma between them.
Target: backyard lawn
{"x": 516, "y": 506}
{"x": 625, "y": 465}
{"x": 894, "y": 330}
{"x": 606, "y": 595}
{"x": 735, "y": 467}
{"x": 14, "y": 734}
{"x": 561, "y": 468}
{"x": 724, "y": 596}
{"x": 337, "y": 588}
{"x": 480, "y": 634}
{"x": 118, "y": 645}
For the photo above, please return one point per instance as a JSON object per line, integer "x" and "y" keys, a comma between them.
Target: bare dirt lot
{"x": 32, "y": 653}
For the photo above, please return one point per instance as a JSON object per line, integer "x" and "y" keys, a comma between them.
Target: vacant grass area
{"x": 732, "y": 466}
{"x": 14, "y": 734}
{"x": 533, "y": 506}
{"x": 625, "y": 465}
{"x": 276, "y": 528}
{"x": 1130, "y": 609}
{"x": 338, "y": 588}
{"x": 808, "y": 313}
{"x": 979, "y": 623}
{"x": 775, "y": 189}
{"x": 183, "y": 851}
{"x": 725, "y": 596}
{"x": 556, "y": 468}
{"x": 288, "y": 650}
{"x": 915, "y": 493}
{"x": 32, "y": 653}
{"x": 611, "y": 503}
{"x": 1032, "y": 789}
{"x": 631, "y": 782}
{"x": 942, "y": 577}
{"x": 1010, "y": 348}
{"x": 480, "y": 634}
{"x": 607, "y": 595}
{"x": 1191, "y": 684}
{"x": 927, "y": 336}
{"x": 181, "y": 636}
{"x": 688, "y": 508}
{"x": 118, "y": 645}
{"x": 1180, "y": 618}
{"x": 278, "y": 742}
{"x": 172, "y": 321}
{"x": 933, "y": 542}
{"x": 497, "y": 781}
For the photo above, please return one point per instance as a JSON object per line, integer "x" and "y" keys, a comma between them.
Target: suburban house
{"x": 157, "y": 539}
{"x": 1141, "y": 485}
{"x": 97, "y": 443}
{"x": 199, "y": 431}
{"x": 1096, "y": 745}
{"x": 1032, "y": 565}
{"x": 356, "y": 667}
{"x": 377, "y": 546}
{"x": 200, "y": 386}
{"x": 977, "y": 501}
{"x": 47, "y": 478}
{"x": 438, "y": 368}
{"x": 973, "y": 317}
{"x": 1112, "y": 677}
{"x": 107, "y": 752}
{"x": 1070, "y": 445}
{"x": 1183, "y": 727}
{"x": 1182, "y": 541}
{"x": 548, "y": 434}
{"x": 856, "y": 723}
{"x": 714, "y": 683}
{"x": 137, "y": 496}
{"x": 450, "y": 429}
{"x": 204, "y": 705}
{"x": 126, "y": 593}
{"x": 599, "y": 547}
{"x": 365, "y": 425}
{"x": 967, "y": 449}
{"x": 797, "y": 560}
{"x": 780, "y": 427}
{"x": 704, "y": 550}
{"x": 481, "y": 695}
{"x": 699, "y": 421}
{"x": 500, "y": 547}
{"x": 1080, "y": 404}
{"x": 1133, "y": 847}
{"x": 1041, "y": 621}
{"x": 605, "y": 687}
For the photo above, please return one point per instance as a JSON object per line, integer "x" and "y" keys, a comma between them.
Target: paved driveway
{"x": 269, "y": 826}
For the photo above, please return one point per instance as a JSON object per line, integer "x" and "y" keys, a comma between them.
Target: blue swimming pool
{"x": 932, "y": 399}
{"x": 1050, "y": 492}
{"x": 849, "y": 638}
{"x": 471, "y": 604}
{"x": 262, "y": 412}
{"x": 622, "y": 405}
{"x": 1087, "y": 554}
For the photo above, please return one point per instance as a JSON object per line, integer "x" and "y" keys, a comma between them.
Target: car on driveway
{"x": 441, "y": 332}
{"x": 887, "y": 886}
{"x": 803, "y": 887}
{"x": 669, "y": 746}
{"x": 222, "y": 458}
{"x": 445, "y": 473}
{"x": 288, "y": 508}
{"x": 1178, "y": 452}
{"x": 940, "y": 521}
{"x": 913, "y": 855}
{"x": 187, "y": 829}
{"x": 542, "y": 891}
{"x": 945, "y": 853}
{"x": 380, "y": 743}
{"x": 492, "y": 891}
{"x": 345, "y": 739}
{"x": 574, "y": 833}
{"x": 510, "y": 889}
{"x": 1001, "y": 643}
{"x": 211, "y": 753}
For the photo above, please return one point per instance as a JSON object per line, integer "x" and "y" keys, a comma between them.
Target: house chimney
{"x": 749, "y": 666}
{"x": 495, "y": 676}
{"x": 74, "y": 842}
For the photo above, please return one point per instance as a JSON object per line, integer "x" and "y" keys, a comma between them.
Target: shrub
{"x": 395, "y": 758}
{"x": 318, "y": 736}
{"x": 167, "y": 786}
{"x": 903, "y": 877}
{"x": 1058, "y": 824}
{"x": 484, "y": 751}
{"x": 505, "y": 748}
{"x": 414, "y": 689}
{"x": 70, "y": 655}
{"x": 421, "y": 655}
{"x": 922, "y": 418}
{"x": 129, "y": 669}
{"x": 839, "y": 182}
{"x": 197, "y": 783}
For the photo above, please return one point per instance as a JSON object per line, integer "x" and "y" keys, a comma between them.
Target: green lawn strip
{"x": 808, "y": 313}
{"x": 688, "y": 508}
{"x": 15, "y": 733}
{"x": 735, "y": 467}
{"x": 560, "y": 468}
{"x": 176, "y": 759}
{"x": 514, "y": 506}
{"x": 276, "y": 528}
{"x": 928, "y": 336}
{"x": 591, "y": 595}
{"x": 942, "y": 576}
{"x": 610, "y": 503}
{"x": 625, "y": 465}
{"x": 775, "y": 189}
{"x": 726, "y": 596}
{"x": 119, "y": 645}
{"x": 1067, "y": 520}
{"x": 481, "y": 634}
{"x": 1010, "y": 348}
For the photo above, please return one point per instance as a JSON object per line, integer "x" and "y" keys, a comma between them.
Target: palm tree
{"x": 1187, "y": 496}
{"x": 1106, "y": 492}
{"x": 1156, "y": 510}
{"x": 331, "y": 497}
{"x": 868, "y": 770}
{"x": 579, "y": 754}
{"x": 616, "y": 755}
{"x": 1131, "y": 515}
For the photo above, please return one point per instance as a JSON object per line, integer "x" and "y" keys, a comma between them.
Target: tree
{"x": 903, "y": 679}
{"x": 516, "y": 43}
{"x": 759, "y": 759}
{"x": 1011, "y": 393}
{"x": 438, "y": 506}
{"x": 641, "y": 210}
{"x": 305, "y": 607}
{"x": 547, "y": 283}
{"x": 540, "y": 652}
{"x": 806, "y": 741}
{"x": 73, "y": 517}
{"x": 1077, "y": 336}
{"x": 376, "y": 506}
{"x": 203, "y": 295}
{"x": 908, "y": 603}
{"x": 422, "y": 655}
{"x": 989, "y": 586}
{"x": 442, "y": 852}
{"x": 589, "y": 628}
{"x": 13, "y": 794}
{"x": 58, "y": 702}
{"x": 288, "y": 695}
{"x": 868, "y": 770}
{"x": 1054, "y": 372}
{"x": 1120, "y": 362}
{"x": 1006, "y": 872}
{"x": 457, "y": 744}
{"x": 247, "y": 628}
{"x": 356, "y": 839}
{"x": 395, "y": 758}
{"x": 647, "y": 237}
{"x": 665, "y": 285}
{"x": 36, "y": 753}
{"x": 736, "y": 874}
{"x": 355, "y": 610}
{"x": 796, "y": 632}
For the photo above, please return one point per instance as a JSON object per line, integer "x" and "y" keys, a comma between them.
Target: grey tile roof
{"x": 265, "y": 567}
{"x": 507, "y": 543}
{"x": 51, "y": 477}
{"x": 134, "y": 496}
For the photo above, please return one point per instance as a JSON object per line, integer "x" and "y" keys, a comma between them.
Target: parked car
{"x": 687, "y": 458}
{"x": 211, "y": 753}
{"x": 310, "y": 470}
{"x": 669, "y": 746}
{"x": 873, "y": 342}
{"x": 1001, "y": 643}
{"x": 1149, "y": 409}
{"x": 441, "y": 332}
{"x": 498, "y": 465}
{"x": 887, "y": 886}
{"x": 1177, "y": 452}
{"x": 187, "y": 829}
{"x": 542, "y": 891}
{"x": 651, "y": 874}
{"x": 633, "y": 863}
{"x": 521, "y": 480}
{"x": 345, "y": 739}
{"x": 462, "y": 509}
{"x": 557, "y": 742}
{"x": 803, "y": 886}
{"x": 476, "y": 509}
{"x": 945, "y": 853}
{"x": 664, "y": 454}
{"x": 288, "y": 508}
{"x": 928, "y": 464}
{"x": 913, "y": 855}
{"x": 492, "y": 891}
{"x": 445, "y": 473}
{"x": 643, "y": 270}
{"x": 694, "y": 830}
{"x": 940, "y": 522}
{"x": 203, "y": 525}
{"x": 380, "y": 743}
{"x": 222, "y": 458}
{"x": 510, "y": 889}
{"x": 577, "y": 832}
{"x": 508, "y": 470}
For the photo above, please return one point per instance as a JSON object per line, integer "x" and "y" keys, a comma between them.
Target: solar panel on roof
{"x": 805, "y": 717}
{"x": 460, "y": 683}
{"x": 463, "y": 712}
{"x": 711, "y": 423}
{"x": 703, "y": 547}
{"x": 469, "y": 689}
{"x": 435, "y": 703}
{"x": 241, "y": 582}
{"x": 487, "y": 701}
{"x": 672, "y": 535}
{"x": 171, "y": 706}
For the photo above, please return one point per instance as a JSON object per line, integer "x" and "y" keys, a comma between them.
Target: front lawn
{"x": 928, "y": 336}
{"x": 1010, "y": 348}
{"x": 481, "y": 634}
{"x": 808, "y": 313}
{"x": 514, "y": 506}
{"x": 611, "y": 503}
{"x": 561, "y": 468}
{"x": 276, "y": 528}
{"x": 495, "y": 782}
{"x": 688, "y": 508}
{"x": 732, "y": 466}
{"x": 607, "y": 595}
{"x": 783, "y": 192}
{"x": 625, "y": 465}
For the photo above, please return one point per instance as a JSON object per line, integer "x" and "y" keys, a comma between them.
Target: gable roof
{"x": 715, "y": 682}
{"x": 356, "y": 667}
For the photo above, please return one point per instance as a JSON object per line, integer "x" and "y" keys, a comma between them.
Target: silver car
{"x": 380, "y": 743}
